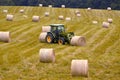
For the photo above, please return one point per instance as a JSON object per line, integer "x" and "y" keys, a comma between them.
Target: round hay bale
{"x": 79, "y": 68}
{"x": 94, "y": 22}
{"x": 63, "y": 6}
{"x": 21, "y": 11}
{"x": 68, "y": 19}
{"x": 47, "y": 55}
{"x": 50, "y": 6}
{"x": 110, "y": 20}
{"x": 46, "y": 28}
{"x": 78, "y": 41}
{"x": 78, "y": 15}
{"x": 89, "y": 8}
{"x": 47, "y": 14}
{"x": 40, "y": 5}
{"x": 42, "y": 36}
{"x": 35, "y": 18}
{"x": 9, "y": 17}
{"x": 5, "y": 36}
{"x": 109, "y": 8}
{"x": 5, "y": 11}
{"x": 105, "y": 24}
{"x": 77, "y": 12}
{"x": 61, "y": 17}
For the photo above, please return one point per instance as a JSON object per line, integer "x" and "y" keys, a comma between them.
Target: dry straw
{"x": 61, "y": 17}
{"x": 35, "y": 18}
{"x": 89, "y": 8}
{"x": 47, "y": 14}
{"x": 5, "y": 11}
{"x": 105, "y": 24}
{"x": 110, "y": 20}
{"x": 78, "y": 15}
{"x": 79, "y": 68}
{"x": 94, "y": 22}
{"x": 42, "y": 36}
{"x": 9, "y": 17}
{"x": 109, "y": 8}
{"x": 78, "y": 41}
{"x": 46, "y": 28}
{"x": 25, "y": 16}
{"x": 68, "y": 18}
{"x": 4, "y": 36}
{"x": 21, "y": 11}
{"x": 63, "y": 6}
{"x": 47, "y": 55}
{"x": 50, "y": 6}
{"x": 77, "y": 12}
{"x": 40, "y": 5}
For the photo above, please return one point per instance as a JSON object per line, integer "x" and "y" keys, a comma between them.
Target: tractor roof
{"x": 56, "y": 24}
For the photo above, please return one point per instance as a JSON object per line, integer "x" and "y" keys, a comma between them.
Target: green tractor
{"x": 58, "y": 35}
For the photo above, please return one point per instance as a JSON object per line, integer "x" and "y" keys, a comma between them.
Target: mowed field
{"x": 19, "y": 59}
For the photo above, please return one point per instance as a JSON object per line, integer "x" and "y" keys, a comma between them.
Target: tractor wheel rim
{"x": 60, "y": 42}
{"x": 49, "y": 39}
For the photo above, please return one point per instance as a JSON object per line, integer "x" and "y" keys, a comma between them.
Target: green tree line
{"x": 97, "y": 4}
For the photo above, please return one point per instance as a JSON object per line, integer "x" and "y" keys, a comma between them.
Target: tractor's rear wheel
{"x": 49, "y": 38}
{"x": 61, "y": 41}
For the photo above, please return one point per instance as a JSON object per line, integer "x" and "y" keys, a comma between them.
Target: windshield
{"x": 61, "y": 28}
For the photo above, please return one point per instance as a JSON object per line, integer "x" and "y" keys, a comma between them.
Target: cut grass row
{"x": 20, "y": 59}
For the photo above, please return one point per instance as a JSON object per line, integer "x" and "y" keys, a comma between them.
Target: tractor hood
{"x": 67, "y": 35}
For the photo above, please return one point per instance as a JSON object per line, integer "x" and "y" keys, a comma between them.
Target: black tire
{"x": 61, "y": 41}
{"x": 49, "y": 38}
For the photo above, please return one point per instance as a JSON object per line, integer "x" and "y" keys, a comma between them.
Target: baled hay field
{"x": 19, "y": 59}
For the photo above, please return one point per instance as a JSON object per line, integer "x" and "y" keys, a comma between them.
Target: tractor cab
{"x": 58, "y": 28}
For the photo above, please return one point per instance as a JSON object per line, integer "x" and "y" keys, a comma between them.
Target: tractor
{"x": 57, "y": 34}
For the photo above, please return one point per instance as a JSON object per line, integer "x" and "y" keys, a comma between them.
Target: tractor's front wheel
{"x": 61, "y": 41}
{"x": 49, "y": 38}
